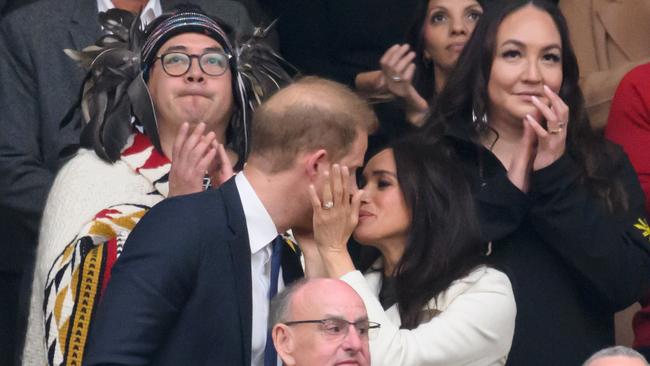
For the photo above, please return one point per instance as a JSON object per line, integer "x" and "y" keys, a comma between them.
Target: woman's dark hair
{"x": 444, "y": 239}
{"x": 466, "y": 93}
{"x": 424, "y": 79}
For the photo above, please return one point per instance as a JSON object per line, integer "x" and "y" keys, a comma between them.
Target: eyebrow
{"x": 183, "y": 48}
{"x": 383, "y": 172}
{"x": 379, "y": 173}
{"x": 440, "y": 7}
{"x": 523, "y": 45}
{"x": 332, "y": 316}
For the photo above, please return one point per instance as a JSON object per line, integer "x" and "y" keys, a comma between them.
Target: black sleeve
{"x": 608, "y": 251}
{"x": 149, "y": 285}
{"x": 501, "y": 206}
{"x": 24, "y": 179}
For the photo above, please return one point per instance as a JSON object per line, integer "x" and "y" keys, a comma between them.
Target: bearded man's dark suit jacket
{"x": 39, "y": 86}
{"x": 181, "y": 292}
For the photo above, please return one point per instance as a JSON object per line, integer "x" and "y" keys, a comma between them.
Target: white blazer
{"x": 475, "y": 325}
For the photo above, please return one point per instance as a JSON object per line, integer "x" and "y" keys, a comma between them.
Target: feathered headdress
{"x": 115, "y": 91}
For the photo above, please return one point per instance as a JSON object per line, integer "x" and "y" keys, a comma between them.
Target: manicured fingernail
{"x": 535, "y": 99}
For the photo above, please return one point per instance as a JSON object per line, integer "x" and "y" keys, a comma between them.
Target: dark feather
{"x": 263, "y": 69}
{"x": 113, "y": 62}
{"x": 115, "y": 131}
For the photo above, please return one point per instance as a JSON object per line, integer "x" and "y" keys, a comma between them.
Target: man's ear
{"x": 284, "y": 343}
{"x": 315, "y": 163}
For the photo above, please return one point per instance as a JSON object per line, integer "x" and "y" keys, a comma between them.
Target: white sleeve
{"x": 476, "y": 328}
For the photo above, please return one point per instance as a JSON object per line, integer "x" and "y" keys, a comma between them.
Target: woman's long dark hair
{"x": 444, "y": 239}
{"x": 424, "y": 79}
{"x": 466, "y": 92}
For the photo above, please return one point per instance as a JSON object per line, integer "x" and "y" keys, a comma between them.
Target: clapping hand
{"x": 540, "y": 147}
{"x": 193, "y": 157}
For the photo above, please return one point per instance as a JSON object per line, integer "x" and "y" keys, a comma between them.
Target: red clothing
{"x": 629, "y": 125}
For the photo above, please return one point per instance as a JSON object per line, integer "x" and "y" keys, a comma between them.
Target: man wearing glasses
{"x": 321, "y": 322}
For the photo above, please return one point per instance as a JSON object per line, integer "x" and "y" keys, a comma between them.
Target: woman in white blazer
{"x": 428, "y": 285}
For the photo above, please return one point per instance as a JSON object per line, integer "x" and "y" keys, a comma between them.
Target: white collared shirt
{"x": 152, "y": 10}
{"x": 261, "y": 232}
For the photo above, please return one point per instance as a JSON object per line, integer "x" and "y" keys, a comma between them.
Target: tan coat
{"x": 610, "y": 37}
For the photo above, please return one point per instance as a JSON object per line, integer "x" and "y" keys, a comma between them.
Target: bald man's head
{"x": 314, "y": 324}
{"x": 308, "y": 115}
{"x": 616, "y": 356}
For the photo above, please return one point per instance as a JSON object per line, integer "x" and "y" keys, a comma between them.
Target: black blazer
{"x": 180, "y": 294}
{"x": 39, "y": 85}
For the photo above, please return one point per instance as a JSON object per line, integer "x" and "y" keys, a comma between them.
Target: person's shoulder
{"x": 205, "y": 199}
{"x": 482, "y": 278}
{"x": 86, "y": 184}
{"x": 640, "y": 75}
{"x": 612, "y": 159}
{"x": 42, "y": 13}
{"x": 195, "y": 221}
{"x": 489, "y": 285}
{"x": 204, "y": 212}
{"x": 85, "y": 164}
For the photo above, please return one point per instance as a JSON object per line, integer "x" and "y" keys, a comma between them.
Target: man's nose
{"x": 194, "y": 74}
{"x": 353, "y": 341}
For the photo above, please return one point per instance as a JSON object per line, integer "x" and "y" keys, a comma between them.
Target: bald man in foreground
{"x": 616, "y": 356}
{"x": 321, "y": 322}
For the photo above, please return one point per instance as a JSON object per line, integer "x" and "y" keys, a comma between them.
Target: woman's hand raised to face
{"x": 551, "y": 142}
{"x": 398, "y": 70}
{"x": 194, "y": 156}
{"x": 540, "y": 147}
{"x": 336, "y": 215}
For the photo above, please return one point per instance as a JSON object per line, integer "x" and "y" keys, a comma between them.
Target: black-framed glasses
{"x": 338, "y": 328}
{"x": 179, "y": 63}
